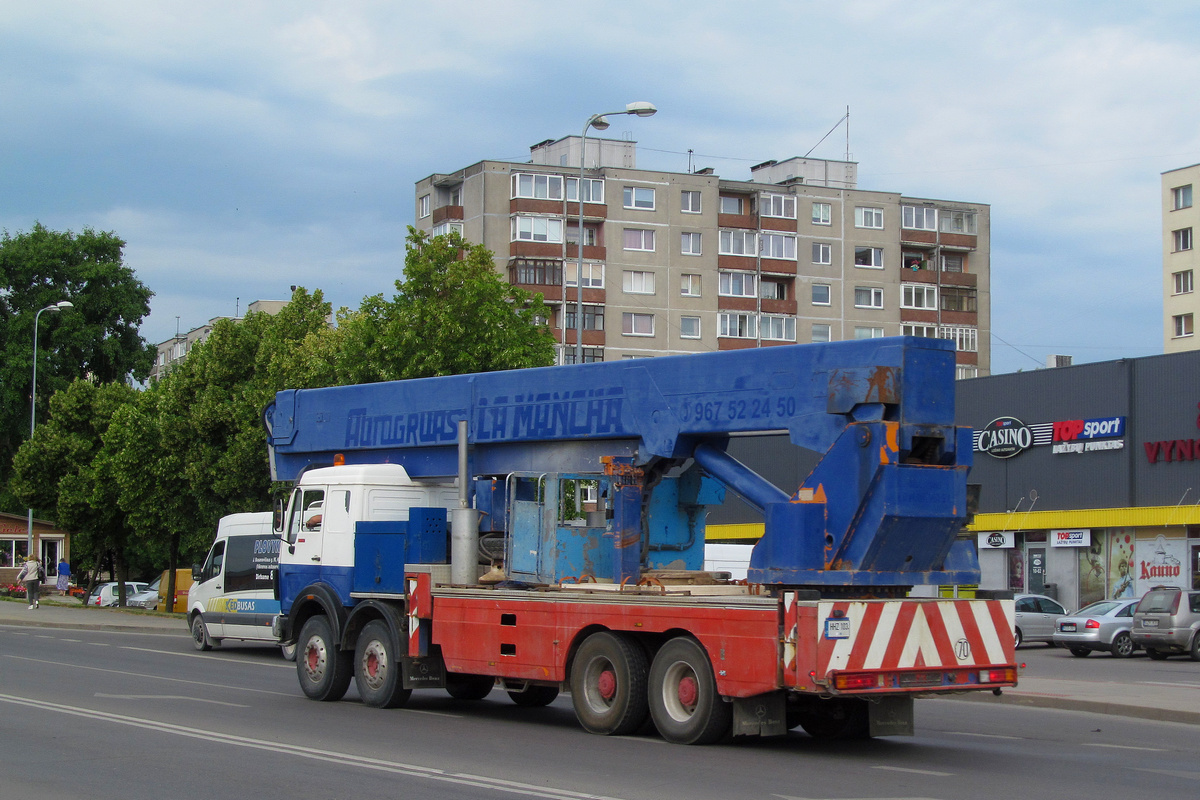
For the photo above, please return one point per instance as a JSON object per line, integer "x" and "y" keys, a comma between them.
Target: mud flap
{"x": 761, "y": 715}
{"x": 424, "y": 672}
{"x": 891, "y": 716}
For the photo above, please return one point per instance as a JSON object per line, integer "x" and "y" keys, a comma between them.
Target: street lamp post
{"x": 54, "y": 309}
{"x": 597, "y": 121}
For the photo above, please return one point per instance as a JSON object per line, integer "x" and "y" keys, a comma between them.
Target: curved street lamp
{"x": 53, "y": 309}
{"x": 597, "y": 121}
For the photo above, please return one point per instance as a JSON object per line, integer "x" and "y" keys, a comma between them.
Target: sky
{"x": 240, "y": 148}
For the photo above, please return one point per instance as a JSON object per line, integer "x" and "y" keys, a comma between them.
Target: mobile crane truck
{"x": 433, "y": 539}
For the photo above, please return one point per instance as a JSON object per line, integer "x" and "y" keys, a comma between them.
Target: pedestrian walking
{"x": 64, "y": 576}
{"x": 32, "y": 574}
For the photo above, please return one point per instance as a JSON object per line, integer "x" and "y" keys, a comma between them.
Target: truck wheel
{"x": 535, "y": 696}
{"x": 462, "y": 686}
{"x": 684, "y": 703}
{"x": 1155, "y": 655}
{"x": 608, "y": 684}
{"x": 377, "y": 669}
{"x": 842, "y": 718}
{"x": 200, "y": 638}
{"x": 324, "y": 670}
{"x": 1122, "y": 646}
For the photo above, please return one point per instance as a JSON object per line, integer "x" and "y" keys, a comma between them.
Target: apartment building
{"x": 690, "y": 262}
{"x": 1181, "y": 219}
{"x": 175, "y": 349}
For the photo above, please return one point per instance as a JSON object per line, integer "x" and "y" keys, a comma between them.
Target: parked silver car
{"x": 1104, "y": 625}
{"x": 1166, "y": 621}
{"x": 106, "y": 593}
{"x": 1036, "y": 616}
{"x": 147, "y": 598}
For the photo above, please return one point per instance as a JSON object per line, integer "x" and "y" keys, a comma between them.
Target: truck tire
{"x": 377, "y": 668}
{"x": 323, "y": 669}
{"x": 200, "y": 638}
{"x": 534, "y": 696}
{"x": 684, "y": 703}
{"x": 839, "y": 718}
{"x": 463, "y": 686}
{"x": 608, "y": 684}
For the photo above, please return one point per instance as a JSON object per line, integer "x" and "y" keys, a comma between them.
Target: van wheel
{"x": 200, "y": 638}
{"x": 377, "y": 668}
{"x": 608, "y": 684}
{"x": 462, "y": 686}
{"x": 684, "y": 703}
{"x": 535, "y": 696}
{"x": 323, "y": 669}
{"x": 288, "y": 651}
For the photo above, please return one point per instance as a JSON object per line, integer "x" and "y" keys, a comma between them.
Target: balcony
{"x": 453, "y": 213}
{"x": 592, "y": 252}
{"x": 779, "y": 266}
{"x": 779, "y": 306}
{"x": 737, "y": 221}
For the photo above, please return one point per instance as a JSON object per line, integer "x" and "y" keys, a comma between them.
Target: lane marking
{"x": 1174, "y": 773}
{"x": 432, "y": 713}
{"x": 207, "y": 656}
{"x": 330, "y": 756}
{"x": 1164, "y": 683}
{"x": 144, "y": 675}
{"x": 1124, "y": 747}
{"x": 983, "y": 735}
{"x": 915, "y": 771}
{"x": 169, "y": 697}
{"x": 793, "y": 797}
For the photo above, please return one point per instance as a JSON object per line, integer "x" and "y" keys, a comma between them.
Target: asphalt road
{"x": 104, "y": 714}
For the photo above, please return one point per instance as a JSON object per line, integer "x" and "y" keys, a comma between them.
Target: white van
{"x": 233, "y": 596}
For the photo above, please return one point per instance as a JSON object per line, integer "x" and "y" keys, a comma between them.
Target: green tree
{"x": 97, "y": 339}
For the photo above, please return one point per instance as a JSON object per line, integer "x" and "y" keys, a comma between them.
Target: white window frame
{"x": 689, "y": 201}
{"x": 593, "y": 311}
{"x": 743, "y": 324}
{"x": 631, "y": 321}
{"x": 689, "y": 321}
{"x": 873, "y": 295}
{"x": 635, "y": 281}
{"x": 828, "y": 294}
{"x": 741, "y": 205}
{"x": 645, "y": 234}
{"x": 966, "y": 339}
{"x": 868, "y": 217}
{"x": 537, "y": 186}
{"x": 594, "y": 193}
{"x": 528, "y": 229}
{"x": 965, "y": 371}
{"x": 446, "y": 228}
{"x": 822, "y": 213}
{"x": 821, "y": 333}
{"x": 691, "y": 243}
{"x": 689, "y": 284}
{"x": 919, "y": 218}
{"x": 918, "y": 295}
{"x": 737, "y": 284}
{"x": 958, "y": 222}
{"x": 867, "y": 332}
{"x": 822, "y": 253}
{"x": 736, "y": 242}
{"x": 1181, "y": 197}
{"x": 779, "y": 206}
{"x": 876, "y": 257}
{"x": 777, "y": 328}
{"x": 423, "y": 206}
{"x": 780, "y": 246}
{"x": 782, "y": 285}
{"x": 1183, "y": 239}
{"x": 1184, "y": 282}
{"x": 593, "y": 274}
{"x": 1184, "y": 326}
{"x": 638, "y": 198}
{"x": 918, "y": 329}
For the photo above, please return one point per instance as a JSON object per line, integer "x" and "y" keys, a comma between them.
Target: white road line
{"x": 983, "y": 735}
{"x": 168, "y": 697}
{"x": 1164, "y": 683}
{"x": 208, "y": 656}
{"x": 331, "y": 756}
{"x": 1125, "y": 747}
{"x": 793, "y": 797}
{"x": 914, "y": 771}
{"x": 156, "y": 677}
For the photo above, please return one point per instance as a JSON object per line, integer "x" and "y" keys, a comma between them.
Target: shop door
{"x": 50, "y": 554}
{"x": 1037, "y": 570}
{"x": 1196, "y": 566}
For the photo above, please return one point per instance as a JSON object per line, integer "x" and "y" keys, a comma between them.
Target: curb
{"x": 1093, "y": 706}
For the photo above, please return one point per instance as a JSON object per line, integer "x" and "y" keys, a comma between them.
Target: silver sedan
{"x": 1103, "y": 625}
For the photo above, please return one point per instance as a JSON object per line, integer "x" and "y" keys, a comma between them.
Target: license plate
{"x": 1149, "y": 623}
{"x": 837, "y": 628}
{"x": 1067, "y": 627}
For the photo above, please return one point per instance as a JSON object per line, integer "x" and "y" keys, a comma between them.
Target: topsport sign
{"x": 1005, "y": 437}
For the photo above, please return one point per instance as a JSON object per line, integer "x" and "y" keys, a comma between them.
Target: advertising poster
{"x": 1016, "y": 569}
{"x": 1092, "y": 575}
{"x": 1160, "y": 563}
{"x": 1121, "y": 578}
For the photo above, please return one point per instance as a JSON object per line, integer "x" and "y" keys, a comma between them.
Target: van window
{"x": 214, "y": 562}
{"x": 250, "y": 562}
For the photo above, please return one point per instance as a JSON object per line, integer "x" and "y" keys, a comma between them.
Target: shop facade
{"x": 51, "y": 544}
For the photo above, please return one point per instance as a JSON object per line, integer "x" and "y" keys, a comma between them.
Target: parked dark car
{"x": 1166, "y": 621}
{"x": 1103, "y": 626}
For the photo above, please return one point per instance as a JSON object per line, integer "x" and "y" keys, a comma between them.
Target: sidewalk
{"x": 1166, "y": 702}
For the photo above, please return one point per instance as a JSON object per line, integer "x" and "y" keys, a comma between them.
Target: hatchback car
{"x": 1103, "y": 625}
{"x": 106, "y": 593}
{"x": 1036, "y": 618}
{"x": 1166, "y": 621}
{"x": 147, "y": 598}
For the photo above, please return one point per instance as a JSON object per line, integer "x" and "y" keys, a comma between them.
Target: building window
{"x": 958, "y": 222}
{"x": 777, "y": 205}
{"x": 737, "y": 243}
{"x": 866, "y": 217}
{"x": 640, "y": 197}
{"x": 927, "y": 331}
{"x": 1183, "y": 282}
{"x": 732, "y": 205}
{"x": 868, "y": 333}
{"x": 964, "y": 371}
{"x": 537, "y": 229}
{"x": 778, "y": 329}
{"x": 1183, "y": 325}
{"x": 590, "y": 354}
{"x": 868, "y": 297}
{"x": 919, "y": 218}
{"x": 954, "y": 262}
{"x": 638, "y": 239}
{"x": 822, "y": 214}
{"x": 916, "y": 295}
{"x": 772, "y": 290}
{"x": 637, "y": 324}
{"x": 689, "y": 202}
{"x": 593, "y": 190}
{"x": 1183, "y": 239}
{"x": 957, "y": 298}
{"x": 737, "y": 326}
{"x": 822, "y": 253}
{"x": 868, "y": 257}
{"x": 778, "y": 245}
{"x": 913, "y": 260}
{"x": 1181, "y": 197}
{"x": 589, "y": 234}
{"x": 447, "y": 228}
{"x": 965, "y": 339}
{"x": 820, "y": 294}
{"x": 593, "y": 274}
{"x": 537, "y": 187}
{"x": 737, "y": 284}
{"x": 820, "y": 333}
{"x": 423, "y": 206}
{"x": 593, "y": 318}
{"x": 539, "y": 273}
{"x": 689, "y": 285}
{"x": 635, "y": 282}
{"x": 689, "y": 327}
{"x": 689, "y": 244}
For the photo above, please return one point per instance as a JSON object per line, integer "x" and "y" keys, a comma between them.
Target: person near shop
{"x": 32, "y": 574}
{"x": 64, "y": 576}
